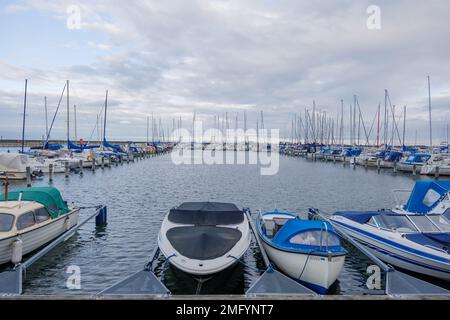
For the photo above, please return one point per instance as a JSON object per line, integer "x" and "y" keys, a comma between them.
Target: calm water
{"x": 139, "y": 194}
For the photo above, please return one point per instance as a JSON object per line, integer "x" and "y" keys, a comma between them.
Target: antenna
{"x": 429, "y": 109}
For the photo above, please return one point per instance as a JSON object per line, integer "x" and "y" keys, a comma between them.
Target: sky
{"x": 173, "y": 58}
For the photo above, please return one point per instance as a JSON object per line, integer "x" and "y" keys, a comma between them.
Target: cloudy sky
{"x": 172, "y": 58}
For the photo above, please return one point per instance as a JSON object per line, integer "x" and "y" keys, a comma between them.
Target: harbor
{"x": 224, "y": 158}
{"x": 107, "y": 254}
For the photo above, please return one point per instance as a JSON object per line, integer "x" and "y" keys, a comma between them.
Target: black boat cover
{"x": 206, "y": 214}
{"x": 203, "y": 242}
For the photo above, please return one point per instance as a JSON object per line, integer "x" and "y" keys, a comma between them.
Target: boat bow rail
{"x": 11, "y": 281}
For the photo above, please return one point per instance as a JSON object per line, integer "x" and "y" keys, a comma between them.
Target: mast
{"x": 46, "y": 117}
{"x": 24, "y": 115}
{"x": 147, "y": 127}
{"x": 404, "y": 124}
{"x": 75, "y": 120}
{"x": 385, "y": 118}
{"x": 429, "y": 109}
{"x": 341, "y": 133}
{"x": 68, "y": 112}
{"x": 378, "y": 125}
{"x": 104, "y": 117}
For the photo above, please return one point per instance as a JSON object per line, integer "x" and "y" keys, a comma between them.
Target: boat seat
{"x": 269, "y": 226}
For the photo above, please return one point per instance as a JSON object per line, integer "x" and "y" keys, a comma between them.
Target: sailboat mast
{"x": 24, "y": 115}
{"x": 429, "y": 109}
{"x": 378, "y": 126}
{"x": 147, "y": 127}
{"x": 75, "y": 121}
{"x": 46, "y": 117}
{"x": 68, "y": 112}
{"x": 104, "y": 117}
{"x": 404, "y": 124}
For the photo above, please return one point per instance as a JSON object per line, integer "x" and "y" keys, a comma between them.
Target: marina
{"x": 117, "y": 255}
{"x": 224, "y": 158}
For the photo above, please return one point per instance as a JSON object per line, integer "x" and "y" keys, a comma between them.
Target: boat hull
{"x": 398, "y": 255}
{"x": 13, "y": 175}
{"x": 315, "y": 271}
{"x": 38, "y": 237}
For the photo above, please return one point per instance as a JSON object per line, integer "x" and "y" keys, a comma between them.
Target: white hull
{"x": 204, "y": 267}
{"x": 395, "y": 255}
{"x": 406, "y": 167}
{"x": 36, "y": 238}
{"x": 319, "y": 271}
{"x": 13, "y": 175}
{"x": 430, "y": 169}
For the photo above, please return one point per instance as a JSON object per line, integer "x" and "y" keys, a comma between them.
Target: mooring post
{"x": 93, "y": 165}
{"x": 366, "y": 163}
{"x": 80, "y": 165}
{"x": 344, "y": 160}
{"x": 50, "y": 173}
{"x": 395, "y": 166}
{"x": 414, "y": 169}
{"x": 334, "y": 159}
{"x": 354, "y": 162}
{"x": 103, "y": 162}
{"x": 66, "y": 168}
{"x": 436, "y": 173}
{"x": 28, "y": 174}
{"x": 378, "y": 165}
{"x": 101, "y": 217}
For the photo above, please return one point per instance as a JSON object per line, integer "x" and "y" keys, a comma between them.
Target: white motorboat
{"x": 414, "y": 236}
{"x": 30, "y": 218}
{"x": 13, "y": 166}
{"x": 307, "y": 250}
{"x": 204, "y": 238}
{"x": 413, "y": 162}
{"x": 438, "y": 163}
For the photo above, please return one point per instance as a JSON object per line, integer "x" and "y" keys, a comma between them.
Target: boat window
{"x": 312, "y": 238}
{"x": 41, "y": 215}
{"x": 423, "y": 158}
{"x": 441, "y": 221}
{"x": 6, "y": 222}
{"x": 431, "y": 197}
{"x": 26, "y": 220}
{"x": 395, "y": 222}
{"x": 423, "y": 223}
{"x": 373, "y": 222}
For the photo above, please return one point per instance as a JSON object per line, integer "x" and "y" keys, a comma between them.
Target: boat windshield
{"x": 6, "y": 222}
{"x": 441, "y": 221}
{"x": 423, "y": 223}
{"x": 313, "y": 238}
{"x": 396, "y": 223}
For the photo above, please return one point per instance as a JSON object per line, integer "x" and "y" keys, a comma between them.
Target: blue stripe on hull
{"x": 394, "y": 255}
{"x": 394, "y": 244}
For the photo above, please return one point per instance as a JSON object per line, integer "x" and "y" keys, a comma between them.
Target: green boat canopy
{"x": 47, "y": 196}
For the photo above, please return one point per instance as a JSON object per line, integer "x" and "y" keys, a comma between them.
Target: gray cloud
{"x": 170, "y": 58}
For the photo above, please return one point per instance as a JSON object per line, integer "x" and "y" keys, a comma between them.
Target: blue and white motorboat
{"x": 415, "y": 160}
{"x": 308, "y": 251}
{"x": 414, "y": 236}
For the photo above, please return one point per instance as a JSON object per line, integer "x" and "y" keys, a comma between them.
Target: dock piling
{"x": 436, "y": 173}
{"x": 66, "y": 169}
{"x": 50, "y": 173}
{"x": 28, "y": 175}
{"x": 414, "y": 172}
{"x": 80, "y": 165}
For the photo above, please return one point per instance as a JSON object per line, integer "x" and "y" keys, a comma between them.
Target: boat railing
{"x": 324, "y": 226}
